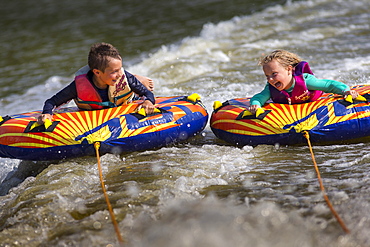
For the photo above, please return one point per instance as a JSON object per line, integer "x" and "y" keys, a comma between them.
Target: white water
{"x": 206, "y": 193}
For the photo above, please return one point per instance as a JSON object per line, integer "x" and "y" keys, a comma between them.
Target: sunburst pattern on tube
{"x": 329, "y": 119}
{"x": 73, "y": 132}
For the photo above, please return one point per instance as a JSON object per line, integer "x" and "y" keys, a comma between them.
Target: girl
{"x": 291, "y": 81}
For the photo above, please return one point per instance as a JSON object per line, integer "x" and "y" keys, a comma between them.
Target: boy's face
{"x": 278, "y": 76}
{"x": 111, "y": 74}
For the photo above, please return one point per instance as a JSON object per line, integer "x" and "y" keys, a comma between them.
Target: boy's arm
{"x": 62, "y": 97}
{"x": 138, "y": 88}
{"x": 146, "y": 81}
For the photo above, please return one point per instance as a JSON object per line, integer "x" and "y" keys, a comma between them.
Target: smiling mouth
{"x": 278, "y": 84}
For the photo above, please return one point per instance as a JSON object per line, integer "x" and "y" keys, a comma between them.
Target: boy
{"x": 105, "y": 85}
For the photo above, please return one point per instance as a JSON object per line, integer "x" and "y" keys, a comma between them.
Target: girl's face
{"x": 111, "y": 74}
{"x": 278, "y": 76}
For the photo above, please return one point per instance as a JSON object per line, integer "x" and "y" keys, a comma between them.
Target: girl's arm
{"x": 259, "y": 99}
{"x": 325, "y": 85}
{"x": 328, "y": 86}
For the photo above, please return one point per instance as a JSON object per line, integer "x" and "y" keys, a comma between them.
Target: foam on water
{"x": 204, "y": 192}
{"x": 225, "y": 54}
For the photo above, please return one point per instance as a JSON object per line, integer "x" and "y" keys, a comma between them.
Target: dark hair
{"x": 100, "y": 55}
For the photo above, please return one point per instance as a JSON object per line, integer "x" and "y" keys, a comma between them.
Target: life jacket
{"x": 300, "y": 93}
{"x": 89, "y": 99}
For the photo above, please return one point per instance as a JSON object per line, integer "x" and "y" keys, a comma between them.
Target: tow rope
{"x": 113, "y": 218}
{"x": 340, "y": 221}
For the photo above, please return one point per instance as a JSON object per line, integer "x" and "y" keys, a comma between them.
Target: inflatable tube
{"x": 119, "y": 129}
{"x": 330, "y": 119}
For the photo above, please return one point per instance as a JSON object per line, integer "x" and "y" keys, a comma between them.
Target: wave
{"x": 323, "y": 32}
{"x": 221, "y": 62}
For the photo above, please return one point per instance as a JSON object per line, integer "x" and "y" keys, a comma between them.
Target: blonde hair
{"x": 285, "y": 58}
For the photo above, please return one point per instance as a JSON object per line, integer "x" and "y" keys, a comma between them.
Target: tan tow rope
{"x": 340, "y": 221}
{"x": 120, "y": 240}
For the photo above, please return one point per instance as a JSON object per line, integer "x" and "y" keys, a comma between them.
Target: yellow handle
{"x": 259, "y": 111}
{"x": 142, "y": 111}
{"x": 194, "y": 97}
{"x": 47, "y": 124}
{"x": 361, "y": 98}
{"x": 34, "y": 125}
{"x": 349, "y": 98}
{"x": 1, "y": 119}
{"x": 216, "y": 105}
{"x": 246, "y": 113}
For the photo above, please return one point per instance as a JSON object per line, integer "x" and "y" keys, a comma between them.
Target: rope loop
{"x": 116, "y": 228}
{"x": 340, "y": 221}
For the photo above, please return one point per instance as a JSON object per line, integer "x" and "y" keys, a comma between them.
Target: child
{"x": 291, "y": 81}
{"x": 106, "y": 84}
{"x": 146, "y": 81}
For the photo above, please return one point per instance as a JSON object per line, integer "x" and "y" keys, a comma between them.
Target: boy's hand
{"x": 41, "y": 119}
{"x": 146, "y": 81}
{"x": 148, "y": 107}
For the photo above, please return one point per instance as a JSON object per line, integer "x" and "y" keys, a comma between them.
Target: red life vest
{"x": 300, "y": 93}
{"x": 89, "y": 99}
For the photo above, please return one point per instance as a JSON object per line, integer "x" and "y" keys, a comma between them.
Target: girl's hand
{"x": 253, "y": 108}
{"x": 353, "y": 93}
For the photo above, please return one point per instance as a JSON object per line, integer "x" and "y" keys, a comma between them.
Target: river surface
{"x": 203, "y": 192}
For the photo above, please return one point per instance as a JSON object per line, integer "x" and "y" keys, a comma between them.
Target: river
{"x": 203, "y": 192}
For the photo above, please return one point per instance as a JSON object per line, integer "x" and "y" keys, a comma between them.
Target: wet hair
{"x": 100, "y": 55}
{"x": 285, "y": 58}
